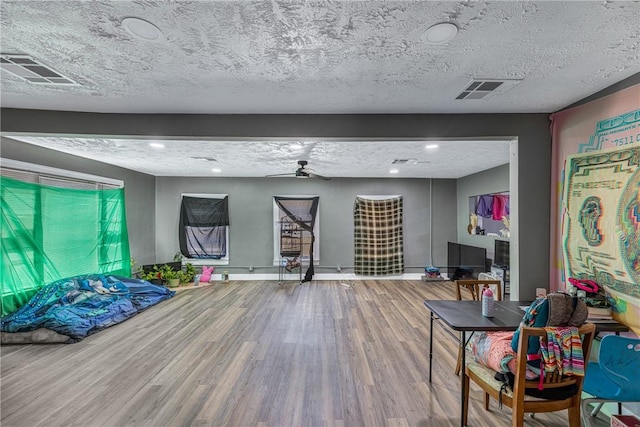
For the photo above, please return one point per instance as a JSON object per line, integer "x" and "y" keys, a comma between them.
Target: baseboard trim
{"x": 316, "y": 277}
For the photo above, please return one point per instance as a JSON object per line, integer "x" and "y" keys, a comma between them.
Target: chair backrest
{"x": 475, "y": 288}
{"x": 553, "y": 379}
{"x": 619, "y": 359}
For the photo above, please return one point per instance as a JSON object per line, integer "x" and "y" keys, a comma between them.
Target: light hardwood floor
{"x": 350, "y": 353}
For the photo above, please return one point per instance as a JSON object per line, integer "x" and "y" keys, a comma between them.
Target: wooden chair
{"x": 516, "y": 399}
{"x": 475, "y": 289}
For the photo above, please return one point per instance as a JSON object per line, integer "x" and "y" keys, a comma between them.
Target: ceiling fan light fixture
{"x": 440, "y": 33}
{"x": 141, "y": 29}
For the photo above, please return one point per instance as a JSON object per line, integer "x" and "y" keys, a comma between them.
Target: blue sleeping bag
{"x": 81, "y": 305}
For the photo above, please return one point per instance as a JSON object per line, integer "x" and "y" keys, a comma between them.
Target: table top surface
{"x": 467, "y": 316}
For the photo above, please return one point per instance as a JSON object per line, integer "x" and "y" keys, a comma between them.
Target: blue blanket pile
{"x": 82, "y": 305}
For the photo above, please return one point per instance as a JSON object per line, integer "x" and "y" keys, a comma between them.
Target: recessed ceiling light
{"x": 431, "y": 146}
{"x": 394, "y": 171}
{"x": 216, "y": 170}
{"x": 141, "y": 29}
{"x": 440, "y": 33}
{"x": 156, "y": 145}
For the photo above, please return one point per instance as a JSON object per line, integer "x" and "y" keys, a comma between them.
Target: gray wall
{"x": 494, "y": 180}
{"x": 251, "y": 215}
{"x": 139, "y": 190}
{"x": 532, "y": 131}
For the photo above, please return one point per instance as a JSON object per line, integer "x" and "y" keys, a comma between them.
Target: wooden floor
{"x": 254, "y": 354}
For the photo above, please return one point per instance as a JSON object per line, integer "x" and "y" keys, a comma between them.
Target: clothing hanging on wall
{"x": 493, "y": 206}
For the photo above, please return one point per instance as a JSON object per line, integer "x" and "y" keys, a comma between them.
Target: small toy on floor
{"x": 206, "y": 274}
{"x": 432, "y": 272}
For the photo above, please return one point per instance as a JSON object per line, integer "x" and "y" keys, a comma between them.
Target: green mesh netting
{"x": 49, "y": 233}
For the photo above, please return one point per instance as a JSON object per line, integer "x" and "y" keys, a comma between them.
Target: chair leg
{"x": 459, "y": 362}
{"x": 596, "y": 409}
{"x": 586, "y": 417}
{"x": 574, "y": 415}
{"x": 486, "y": 401}
{"x": 517, "y": 415}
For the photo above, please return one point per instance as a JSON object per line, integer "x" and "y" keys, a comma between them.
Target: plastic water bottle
{"x": 487, "y": 302}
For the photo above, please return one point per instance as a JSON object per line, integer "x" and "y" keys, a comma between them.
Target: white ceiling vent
{"x": 483, "y": 88}
{"x": 31, "y": 70}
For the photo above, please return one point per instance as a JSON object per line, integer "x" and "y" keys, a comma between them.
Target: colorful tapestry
{"x": 608, "y": 123}
{"x": 602, "y": 226}
{"x": 378, "y": 236}
{"x": 605, "y": 123}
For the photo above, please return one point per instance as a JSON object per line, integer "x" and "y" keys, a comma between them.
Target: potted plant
{"x": 170, "y": 275}
{"x": 154, "y": 276}
{"x": 190, "y": 272}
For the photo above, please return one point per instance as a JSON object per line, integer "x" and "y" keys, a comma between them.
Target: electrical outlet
{"x": 339, "y": 268}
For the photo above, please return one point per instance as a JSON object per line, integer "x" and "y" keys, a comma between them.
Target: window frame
{"x": 277, "y": 259}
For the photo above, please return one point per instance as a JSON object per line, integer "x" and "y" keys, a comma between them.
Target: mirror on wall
{"x": 489, "y": 215}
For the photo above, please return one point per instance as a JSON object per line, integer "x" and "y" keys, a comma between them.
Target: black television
{"x": 501, "y": 253}
{"x": 464, "y": 261}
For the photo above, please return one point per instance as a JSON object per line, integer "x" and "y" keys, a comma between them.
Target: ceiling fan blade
{"x": 279, "y": 174}
{"x": 315, "y": 175}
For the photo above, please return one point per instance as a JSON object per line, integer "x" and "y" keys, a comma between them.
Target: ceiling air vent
{"x": 31, "y": 70}
{"x": 483, "y": 88}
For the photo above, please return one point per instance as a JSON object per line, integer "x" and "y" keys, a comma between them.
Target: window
{"x": 305, "y": 210}
{"x": 57, "y": 224}
{"x": 204, "y": 228}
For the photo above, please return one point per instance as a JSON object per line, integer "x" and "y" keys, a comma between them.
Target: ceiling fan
{"x": 302, "y": 172}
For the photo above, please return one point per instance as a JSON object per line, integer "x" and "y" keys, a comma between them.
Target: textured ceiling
{"x": 318, "y": 56}
{"x": 312, "y": 57}
{"x": 451, "y": 159}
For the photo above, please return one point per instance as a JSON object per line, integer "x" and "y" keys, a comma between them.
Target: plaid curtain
{"x": 378, "y": 236}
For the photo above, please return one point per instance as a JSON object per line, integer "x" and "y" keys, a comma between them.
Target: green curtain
{"x": 49, "y": 233}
